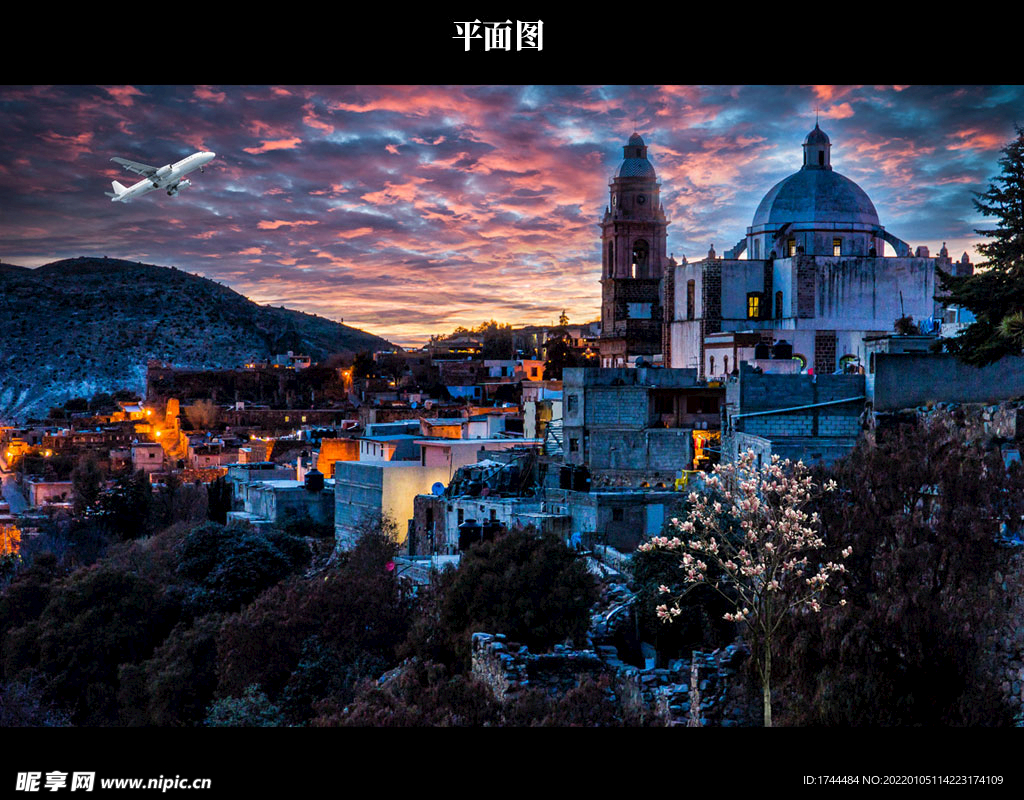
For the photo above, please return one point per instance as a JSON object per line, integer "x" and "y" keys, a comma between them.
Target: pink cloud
{"x": 973, "y": 139}
{"x": 278, "y": 144}
{"x": 123, "y": 95}
{"x": 206, "y": 93}
{"x": 267, "y": 225}
{"x": 75, "y": 145}
{"x": 353, "y": 234}
{"x": 313, "y": 121}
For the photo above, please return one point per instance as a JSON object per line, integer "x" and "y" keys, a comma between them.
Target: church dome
{"x": 815, "y": 194}
{"x": 635, "y": 163}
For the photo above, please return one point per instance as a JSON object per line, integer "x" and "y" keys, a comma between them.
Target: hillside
{"x": 83, "y": 325}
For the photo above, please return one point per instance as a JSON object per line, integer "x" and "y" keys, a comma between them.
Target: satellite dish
{"x": 437, "y": 489}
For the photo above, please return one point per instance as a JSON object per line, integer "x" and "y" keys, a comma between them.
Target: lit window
{"x": 753, "y": 305}
{"x": 837, "y": 247}
{"x": 791, "y": 248}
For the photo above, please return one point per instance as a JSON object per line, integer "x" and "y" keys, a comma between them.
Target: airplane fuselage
{"x": 166, "y": 177}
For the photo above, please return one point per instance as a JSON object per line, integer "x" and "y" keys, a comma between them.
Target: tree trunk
{"x": 766, "y": 685}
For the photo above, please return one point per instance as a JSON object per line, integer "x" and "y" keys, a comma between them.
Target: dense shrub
{"x": 928, "y": 586}
{"x": 532, "y": 588}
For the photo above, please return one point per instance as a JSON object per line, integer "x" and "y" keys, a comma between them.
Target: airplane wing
{"x": 134, "y": 166}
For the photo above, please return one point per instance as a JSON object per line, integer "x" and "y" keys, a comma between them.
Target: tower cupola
{"x": 816, "y": 150}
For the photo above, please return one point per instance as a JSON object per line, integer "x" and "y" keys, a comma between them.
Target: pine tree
{"x": 995, "y": 294}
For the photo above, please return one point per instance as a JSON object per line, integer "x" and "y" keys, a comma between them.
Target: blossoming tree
{"x": 749, "y": 537}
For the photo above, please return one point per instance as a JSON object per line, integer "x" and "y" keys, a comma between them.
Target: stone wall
{"x": 906, "y": 380}
{"x": 709, "y": 689}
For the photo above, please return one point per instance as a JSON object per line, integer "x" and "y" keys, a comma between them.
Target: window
{"x": 837, "y": 247}
{"x": 640, "y": 252}
{"x": 572, "y": 403}
{"x": 691, "y": 298}
{"x": 754, "y": 305}
{"x": 461, "y": 515}
{"x": 574, "y": 445}
{"x": 725, "y": 364}
{"x": 778, "y": 305}
{"x": 711, "y": 369}
{"x": 757, "y": 249}
{"x": 639, "y": 310}
{"x": 791, "y": 248}
{"x": 664, "y": 404}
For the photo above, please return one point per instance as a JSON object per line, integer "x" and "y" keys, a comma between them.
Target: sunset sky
{"x": 411, "y": 210}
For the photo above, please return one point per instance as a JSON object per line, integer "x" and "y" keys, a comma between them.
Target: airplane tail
{"x": 118, "y": 191}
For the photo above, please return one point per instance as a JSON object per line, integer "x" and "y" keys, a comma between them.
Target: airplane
{"x": 167, "y": 177}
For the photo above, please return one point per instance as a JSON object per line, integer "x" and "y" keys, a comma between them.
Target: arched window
{"x": 711, "y": 367}
{"x": 725, "y": 364}
{"x": 778, "y": 305}
{"x": 641, "y": 252}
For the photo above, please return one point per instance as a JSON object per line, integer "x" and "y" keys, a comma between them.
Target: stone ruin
{"x": 707, "y": 689}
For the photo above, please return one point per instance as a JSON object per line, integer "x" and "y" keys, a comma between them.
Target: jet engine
{"x": 163, "y": 172}
{"x": 178, "y": 187}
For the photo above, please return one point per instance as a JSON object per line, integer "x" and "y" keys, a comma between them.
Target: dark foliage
{"x": 315, "y": 638}
{"x": 252, "y": 710}
{"x": 231, "y": 566}
{"x": 176, "y": 686}
{"x": 124, "y": 509}
{"x": 86, "y": 482}
{"x": 926, "y": 588}
{"x": 532, "y": 588}
{"x": 22, "y": 706}
{"x": 995, "y": 294}
{"x": 218, "y": 500}
{"x": 97, "y": 619}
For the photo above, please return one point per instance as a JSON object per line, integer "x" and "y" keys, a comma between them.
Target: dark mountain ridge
{"x": 84, "y": 325}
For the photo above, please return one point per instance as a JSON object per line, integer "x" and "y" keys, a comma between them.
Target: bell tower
{"x": 633, "y": 256}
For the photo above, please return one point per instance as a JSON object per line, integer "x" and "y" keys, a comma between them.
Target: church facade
{"x": 810, "y": 277}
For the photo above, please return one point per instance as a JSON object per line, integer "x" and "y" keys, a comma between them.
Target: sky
{"x": 409, "y": 210}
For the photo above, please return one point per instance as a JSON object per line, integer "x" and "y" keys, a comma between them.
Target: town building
{"x": 274, "y": 502}
{"x": 635, "y": 426}
{"x": 809, "y": 418}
